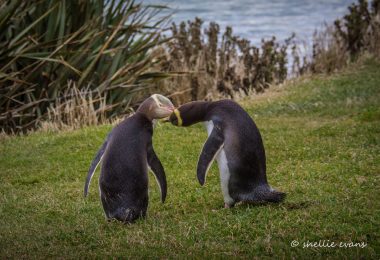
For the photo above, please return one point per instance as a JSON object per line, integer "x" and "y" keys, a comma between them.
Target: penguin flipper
{"x": 158, "y": 171}
{"x": 210, "y": 150}
{"x": 94, "y": 164}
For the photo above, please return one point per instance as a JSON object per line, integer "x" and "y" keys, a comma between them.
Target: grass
{"x": 322, "y": 138}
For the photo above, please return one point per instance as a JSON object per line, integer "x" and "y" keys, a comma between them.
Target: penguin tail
{"x": 262, "y": 194}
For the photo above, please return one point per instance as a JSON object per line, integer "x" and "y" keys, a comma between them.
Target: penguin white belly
{"x": 223, "y": 168}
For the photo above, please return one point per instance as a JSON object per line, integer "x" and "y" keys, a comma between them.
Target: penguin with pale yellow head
{"x": 126, "y": 156}
{"x": 235, "y": 142}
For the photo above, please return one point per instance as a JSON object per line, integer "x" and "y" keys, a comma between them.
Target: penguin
{"x": 126, "y": 155}
{"x": 235, "y": 142}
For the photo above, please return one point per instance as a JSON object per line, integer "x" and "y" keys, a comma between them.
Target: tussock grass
{"x": 322, "y": 138}
{"x": 47, "y": 48}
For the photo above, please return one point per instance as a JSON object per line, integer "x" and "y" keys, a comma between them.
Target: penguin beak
{"x": 167, "y": 119}
{"x": 171, "y": 108}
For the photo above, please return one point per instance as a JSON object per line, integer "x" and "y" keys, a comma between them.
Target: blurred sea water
{"x": 257, "y": 19}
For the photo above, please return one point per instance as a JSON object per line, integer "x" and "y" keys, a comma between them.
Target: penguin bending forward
{"x": 126, "y": 155}
{"x": 235, "y": 142}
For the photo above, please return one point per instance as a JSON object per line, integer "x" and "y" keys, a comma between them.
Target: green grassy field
{"x": 322, "y": 138}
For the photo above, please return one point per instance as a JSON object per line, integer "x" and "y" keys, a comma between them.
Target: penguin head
{"x": 156, "y": 107}
{"x": 189, "y": 113}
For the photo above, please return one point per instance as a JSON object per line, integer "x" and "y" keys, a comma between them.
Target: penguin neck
{"x": 145, "y": 109}
{"x": 198, "y": 113}
{"x": 146, "y": 116}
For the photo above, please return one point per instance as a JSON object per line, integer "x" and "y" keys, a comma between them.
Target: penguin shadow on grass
{"x": 284, "y": 205}
{"x": 298, "y": 205}
{"x": 113, "y": 221}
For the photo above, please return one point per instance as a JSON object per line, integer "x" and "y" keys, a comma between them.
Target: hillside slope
{"x": 322, "y": 138}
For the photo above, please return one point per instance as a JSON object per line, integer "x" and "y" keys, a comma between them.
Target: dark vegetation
{"x": 73, "y": 63}
{"x": 356, "y": 33}
{"x": 227, "y": 67}
{"x": 234, "y": 66}
{"x": 91, "y": 53}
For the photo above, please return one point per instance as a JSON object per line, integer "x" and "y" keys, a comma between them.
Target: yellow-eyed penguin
{"x": 126, "y": 155}
{"x": 235, "y": 142}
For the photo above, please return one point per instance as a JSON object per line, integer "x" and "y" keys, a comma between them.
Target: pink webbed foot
{"x": 227, "y": 206}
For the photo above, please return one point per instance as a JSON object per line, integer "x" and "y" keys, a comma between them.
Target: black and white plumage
{"x": 126, "y": 156}
{"x": 235, "y": 142}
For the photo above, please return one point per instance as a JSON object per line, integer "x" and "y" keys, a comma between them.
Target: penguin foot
{"x": 228, "y": 206}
